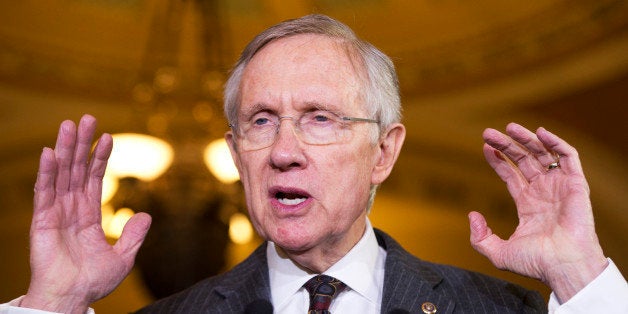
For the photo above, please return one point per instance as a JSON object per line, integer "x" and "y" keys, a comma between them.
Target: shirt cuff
{"x": 13, "y": 307}
{"x": 607, "y": 293}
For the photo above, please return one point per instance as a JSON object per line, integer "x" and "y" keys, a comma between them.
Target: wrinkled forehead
{"x": 305, "y": 68}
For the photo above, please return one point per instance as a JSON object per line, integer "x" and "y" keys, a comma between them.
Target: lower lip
{"x": 289, "y": 209}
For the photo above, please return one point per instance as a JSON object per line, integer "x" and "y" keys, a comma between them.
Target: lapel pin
{"x": 428, "y": 308}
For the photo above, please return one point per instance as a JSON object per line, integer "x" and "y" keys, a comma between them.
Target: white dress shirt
{"x": 607, "y": 293}
{"x": 362, "y": 270}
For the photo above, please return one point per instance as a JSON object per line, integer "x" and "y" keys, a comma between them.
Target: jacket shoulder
{"x": 409, "y": 279}
{"x": 230, "y": 291}
{"x": 477, "y": 290}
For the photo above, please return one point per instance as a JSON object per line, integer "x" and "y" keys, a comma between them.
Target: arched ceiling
{"x": 436, "y": 44}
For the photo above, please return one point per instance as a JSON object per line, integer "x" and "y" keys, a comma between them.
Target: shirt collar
{"x": 356, "y": 269}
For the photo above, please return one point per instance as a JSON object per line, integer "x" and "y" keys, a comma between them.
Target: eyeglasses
{"x": 319, "y": 127}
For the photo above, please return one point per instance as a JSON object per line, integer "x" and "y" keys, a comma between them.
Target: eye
{"x": 261, "y": 121}
{"x": 320, "y": 117}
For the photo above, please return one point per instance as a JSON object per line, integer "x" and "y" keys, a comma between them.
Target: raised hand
{"x": 72, "y": 265}
{"x": 555, "y": 240}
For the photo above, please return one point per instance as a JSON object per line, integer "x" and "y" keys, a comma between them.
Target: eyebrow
{"x": 257, "y": 107}
{"x": 307, "y": 105}
{"x": 317, "y": 105}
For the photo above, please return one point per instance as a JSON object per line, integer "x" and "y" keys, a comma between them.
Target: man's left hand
{"x": 555, "y": 240}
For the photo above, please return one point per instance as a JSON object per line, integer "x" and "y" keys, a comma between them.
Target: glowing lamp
{"x": 218, "y": 160}
{"x": 140, "y": 156}
{"x": 240, "y": 229}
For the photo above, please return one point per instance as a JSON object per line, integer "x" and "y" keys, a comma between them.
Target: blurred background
{"x": 156, "y": 68}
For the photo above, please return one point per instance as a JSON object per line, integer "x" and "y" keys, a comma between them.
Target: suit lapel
{"x": 247, "y": 283}
{"x": 408, "y": 282}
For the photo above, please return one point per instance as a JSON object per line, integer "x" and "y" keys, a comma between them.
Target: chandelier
{"x": 178, "y": 169}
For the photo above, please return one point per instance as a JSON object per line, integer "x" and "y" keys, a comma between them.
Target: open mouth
{"x": 290, "y": 198}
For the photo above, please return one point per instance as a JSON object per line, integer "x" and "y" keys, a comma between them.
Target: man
{"x": 315, "y": 128}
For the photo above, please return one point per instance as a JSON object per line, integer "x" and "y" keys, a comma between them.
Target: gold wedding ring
{"x": 553, "y": 165}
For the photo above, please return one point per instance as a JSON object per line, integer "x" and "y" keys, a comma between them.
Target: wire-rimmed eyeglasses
{"x": 318, "y": 127}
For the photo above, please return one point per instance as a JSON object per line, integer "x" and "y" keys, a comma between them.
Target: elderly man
{"x": 315, "y": 128}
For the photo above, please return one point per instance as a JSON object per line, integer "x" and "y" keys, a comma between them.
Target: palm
{"x": 547, "y": 211}
{"x": 555, "y": 217}
{"x": 72, "y": 263}
{"x": 77, "y": 249}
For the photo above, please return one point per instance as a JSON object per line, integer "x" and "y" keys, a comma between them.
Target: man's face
{"x": 302, "y": 196}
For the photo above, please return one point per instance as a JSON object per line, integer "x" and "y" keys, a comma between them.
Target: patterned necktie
{"x": 322, "y": 289}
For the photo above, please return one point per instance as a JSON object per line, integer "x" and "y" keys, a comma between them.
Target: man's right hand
{"x": 72, "y": 264}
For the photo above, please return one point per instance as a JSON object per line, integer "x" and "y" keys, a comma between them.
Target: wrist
{"x": 64, "y": 304}
{"x": 568, "y": 279}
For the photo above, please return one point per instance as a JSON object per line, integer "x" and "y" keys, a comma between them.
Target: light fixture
{"x": 240, "y": 229}
{"x": 139, "y": 156}
{"x": 109, "y": 187}
{"x": 218, "y": 160}
{"x": 116, "y": 222}
{"x": 113, "y": 221}
{"x": 106, "y": 214}
{"x": 177, "y": 96}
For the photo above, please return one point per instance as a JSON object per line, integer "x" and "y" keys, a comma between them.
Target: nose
{"x": 287, "y": 150}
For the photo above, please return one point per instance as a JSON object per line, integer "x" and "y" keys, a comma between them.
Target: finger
{"x": 97, "y": 167}
{"x": 567, "y": 154}
{"x": 45, "y": 183}
{"x": 64, "y": 153}
{"x": 531, "y": 142}
{"x": 133, "y": 236}
{"x": 504, "y": 168}
{"x": 528, "y": 165}
{"x": 484, "y": 240}
{"x": 85, "y": 133}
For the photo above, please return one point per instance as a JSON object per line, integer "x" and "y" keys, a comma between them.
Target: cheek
{"x": 251, "y": 180}
{"x": 254, "y": 204}
{"x": 349, "y": 174}
{"x": 359, "y": 162}
{"x": 250, "y": 170}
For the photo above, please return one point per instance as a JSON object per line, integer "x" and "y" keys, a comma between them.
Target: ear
{"x": 389, "y": 147}
{"x": 231, "y": 142}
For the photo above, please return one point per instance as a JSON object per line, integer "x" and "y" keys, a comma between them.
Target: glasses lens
{"x": 319, "y": 127}
{"x": 258, "y": 138}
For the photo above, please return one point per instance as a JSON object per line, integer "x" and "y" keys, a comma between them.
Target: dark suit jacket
{"x": 408, "y": 283}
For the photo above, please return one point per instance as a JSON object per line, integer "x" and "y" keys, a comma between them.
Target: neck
{"x": 320, "y": 258}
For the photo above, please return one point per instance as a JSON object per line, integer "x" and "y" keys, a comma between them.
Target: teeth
{"x": 291, "y": 201}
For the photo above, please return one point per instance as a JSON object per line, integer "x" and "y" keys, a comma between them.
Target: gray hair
{"x": 381, "y": 90}
{"x": 381, "y": 85}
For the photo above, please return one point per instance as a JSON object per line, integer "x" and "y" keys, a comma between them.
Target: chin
{"x": 293, "y": 240}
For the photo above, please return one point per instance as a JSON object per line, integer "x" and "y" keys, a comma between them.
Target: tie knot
{"x": 323, "y": 289}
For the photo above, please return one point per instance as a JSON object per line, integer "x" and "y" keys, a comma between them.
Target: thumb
{"x": 133, "y": 236}
{"x": 483, "y": 240}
